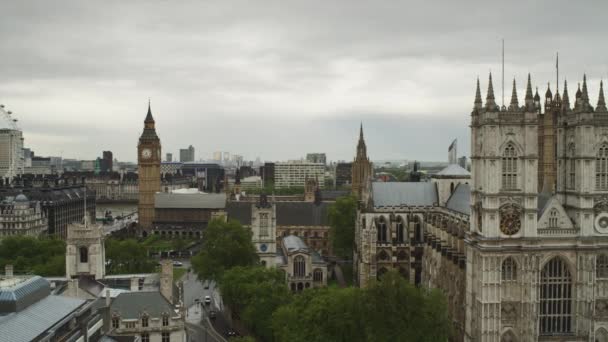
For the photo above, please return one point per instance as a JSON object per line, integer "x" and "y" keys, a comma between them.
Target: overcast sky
{"x": 278, "y": 79}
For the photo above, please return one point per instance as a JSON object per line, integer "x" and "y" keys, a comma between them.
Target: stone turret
{"x": 514, "y": 105}
{"x": 601, "y": 102}
{"x": 491, "y": 105}
{"x": 565, "y": 98}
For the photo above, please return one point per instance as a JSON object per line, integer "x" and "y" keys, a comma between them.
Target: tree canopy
{"x": 253, "y": 294}
{"x": 388, "y": 310}
{"x": 342, "y": 215}
{"x": 127, "y": 256}
{"x": 31, "y": 255}
{"x": 225, "y": 245}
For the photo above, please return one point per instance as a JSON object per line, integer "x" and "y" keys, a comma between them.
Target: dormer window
{"x": 115, "y": 322}
{"x": 165, "y": 320}
{"x": 144, "y": 321}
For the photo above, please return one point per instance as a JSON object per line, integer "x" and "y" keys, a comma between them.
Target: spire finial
{"x": 601, "y": 103}
{"x": 529, "y": 96}
{"x": 548, "y": 94}
{"x": 490, "y": 103}
{"x": 585, "y": 95}
{"x": 361, "y": 131}
{"x": 478, "y": 103}
{"x": 566, "y": 98}
{"x": 149, "y": 117}
{"x": 514, "y": 102}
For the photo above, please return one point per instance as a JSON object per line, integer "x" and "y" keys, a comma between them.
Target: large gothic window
{"x": 317, "y": 275}
{"x": 601, "y": 168}
{"x": 601, "y": 335}
{"x": 509, "y": 168}
{"x": 509, "y": 270}
{"x": 299, "y": 266}
{"x": 263, "y": 224}
{"x": 555, "y": 298}
{"x": 400, "y": 230}
{"x": 571, "y": 181}
{"x": 601, "y": 266}
{"x": 382, "y": 230}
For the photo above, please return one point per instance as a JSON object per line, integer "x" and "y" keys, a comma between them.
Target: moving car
{"x": 207, "y": 300}
{"x": 178, "y": 264}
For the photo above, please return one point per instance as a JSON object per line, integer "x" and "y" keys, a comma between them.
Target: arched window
{"x": 317, "y": 275}
{"x": 165, "y": 320}
{"x": 402, "y": 255}
{"x": 115, "y": 322}
{"x": 299, "y": 266}
{"x": 400, "y": 230}
{"x": 84, "y": 254}
{"x": 383, "y": 256}
{"x": 509, "y": 167}
{"x": 601, "y": 335}
{"x": 382, "y": 230}
{"x": 555, "y": 312}
{"x": 509, "y": 269}
{"x": 601, "y": 168}
{"x": 571, "y": 181}
{"x": 451, "y": 187}
{"x": 263, "y": 224}
{"x": 144, "y": 321}
{"x": 601, "y": 266}
{"x": 553, "y": 216}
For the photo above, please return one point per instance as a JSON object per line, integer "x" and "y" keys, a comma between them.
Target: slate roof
{"x": 460, "y": 200}
{"x": 454, "y": 170}
{"x": 36, "y": 319}
{"x": 189, "y": 201}
{"x": 295, "y": 244}
{"x": 130, "y": 305}
{"x": 294, "y": 213}
{"x": 388, "y": 194}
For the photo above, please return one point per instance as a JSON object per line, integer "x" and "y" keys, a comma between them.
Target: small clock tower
{"x": 264, "y": 228}
{"x": 148, "y": 161}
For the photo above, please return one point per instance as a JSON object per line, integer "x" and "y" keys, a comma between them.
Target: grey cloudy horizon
{"x": 279, "y": 79}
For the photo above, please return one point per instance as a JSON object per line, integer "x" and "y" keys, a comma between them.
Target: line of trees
{"x": 31, "y": 255}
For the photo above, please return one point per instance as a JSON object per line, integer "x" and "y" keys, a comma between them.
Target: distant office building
{"x": 453, "y": 152}
{"x": 267, "y": 174}
{"x": 29, "y": 312}
{"x": 209, "y": 176}
{"x": 170, "y": 168}
{"x": 462, "y": 161}
{"x": 40, "y": 166}
{"x": 20, "y": 216}
{"x": 11, "y": 145}
{"x": 237, "y": 159}
{"x": 169, "y": 157}
{"x": 186, "y": 154}
{"x": 316, "y": 158}
{"x": 344, "y": 173}
{"x": 87, "y": 165}
{"x": 106, "y": 162}
{"x": 217, "y": 156}
{"x": 27, "y": 157}
{"x": 294, "y": 174}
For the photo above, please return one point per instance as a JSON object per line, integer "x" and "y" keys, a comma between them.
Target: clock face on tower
{"x": 146, "y": 153}
{"x": 510, "y": 221}
{"x": 263, "y": 247}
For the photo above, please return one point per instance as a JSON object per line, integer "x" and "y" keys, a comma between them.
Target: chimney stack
{"x": 108, "y": 298}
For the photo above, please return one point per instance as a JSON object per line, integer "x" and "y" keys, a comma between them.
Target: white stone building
{"x": 20, "y": 216}
{"x": 303, "y": 266}
{"x": 11, "y": 145}
{"x": 85, "y": 251}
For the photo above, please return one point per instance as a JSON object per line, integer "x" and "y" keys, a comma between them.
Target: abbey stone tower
{"x": 537, "y": 254}
{"x": 148, "y": 160}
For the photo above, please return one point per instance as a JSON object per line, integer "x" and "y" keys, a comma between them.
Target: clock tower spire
{"x": 148, "y": 161}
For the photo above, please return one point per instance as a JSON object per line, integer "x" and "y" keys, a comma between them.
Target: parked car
{"x": 207, "y": 300}
{"x": 231, "y": 333}
{"x": 178, "y": 264}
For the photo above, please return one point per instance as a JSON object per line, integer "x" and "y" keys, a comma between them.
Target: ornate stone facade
{"x": 85, "y": 251}
{"x": 20, "y": 216}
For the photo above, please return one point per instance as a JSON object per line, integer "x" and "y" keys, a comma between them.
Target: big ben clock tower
{"x": 148, "y": 160}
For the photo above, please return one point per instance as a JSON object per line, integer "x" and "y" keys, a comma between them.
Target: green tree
{"x": 225, "y": 245}
{"x": 127, "y": 256}
{"x": 253, "y": 294}
{"x": 40, "y": 256}
{"x": 342, "y": 215}
{"x": 388, "y": 310}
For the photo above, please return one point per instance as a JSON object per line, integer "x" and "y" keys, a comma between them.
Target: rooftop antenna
{"x": 503, "y": 72}
{"x": 557, "y": 72}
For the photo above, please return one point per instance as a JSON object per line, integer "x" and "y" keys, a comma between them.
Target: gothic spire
{"x": 585, "y": 95}
{"x": 478, "y": 103}
{"x": 548, "y": 94}
{"x": 361, "y": 132}
{"x": 514, "y": 102}
{"x": 536, "y": 96}
{"x": 529, "y": 100}
{"x": 490, "y": 103}
{"x": 566, "y": 98}
{"x": 578, "y": 91}
{"x": 149, "y": 117}
{"x": 601, "y": 103}
{"x": 361, "y": 148}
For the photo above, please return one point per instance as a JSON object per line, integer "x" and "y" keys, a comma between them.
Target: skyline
{"x": 278, "y": 81}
